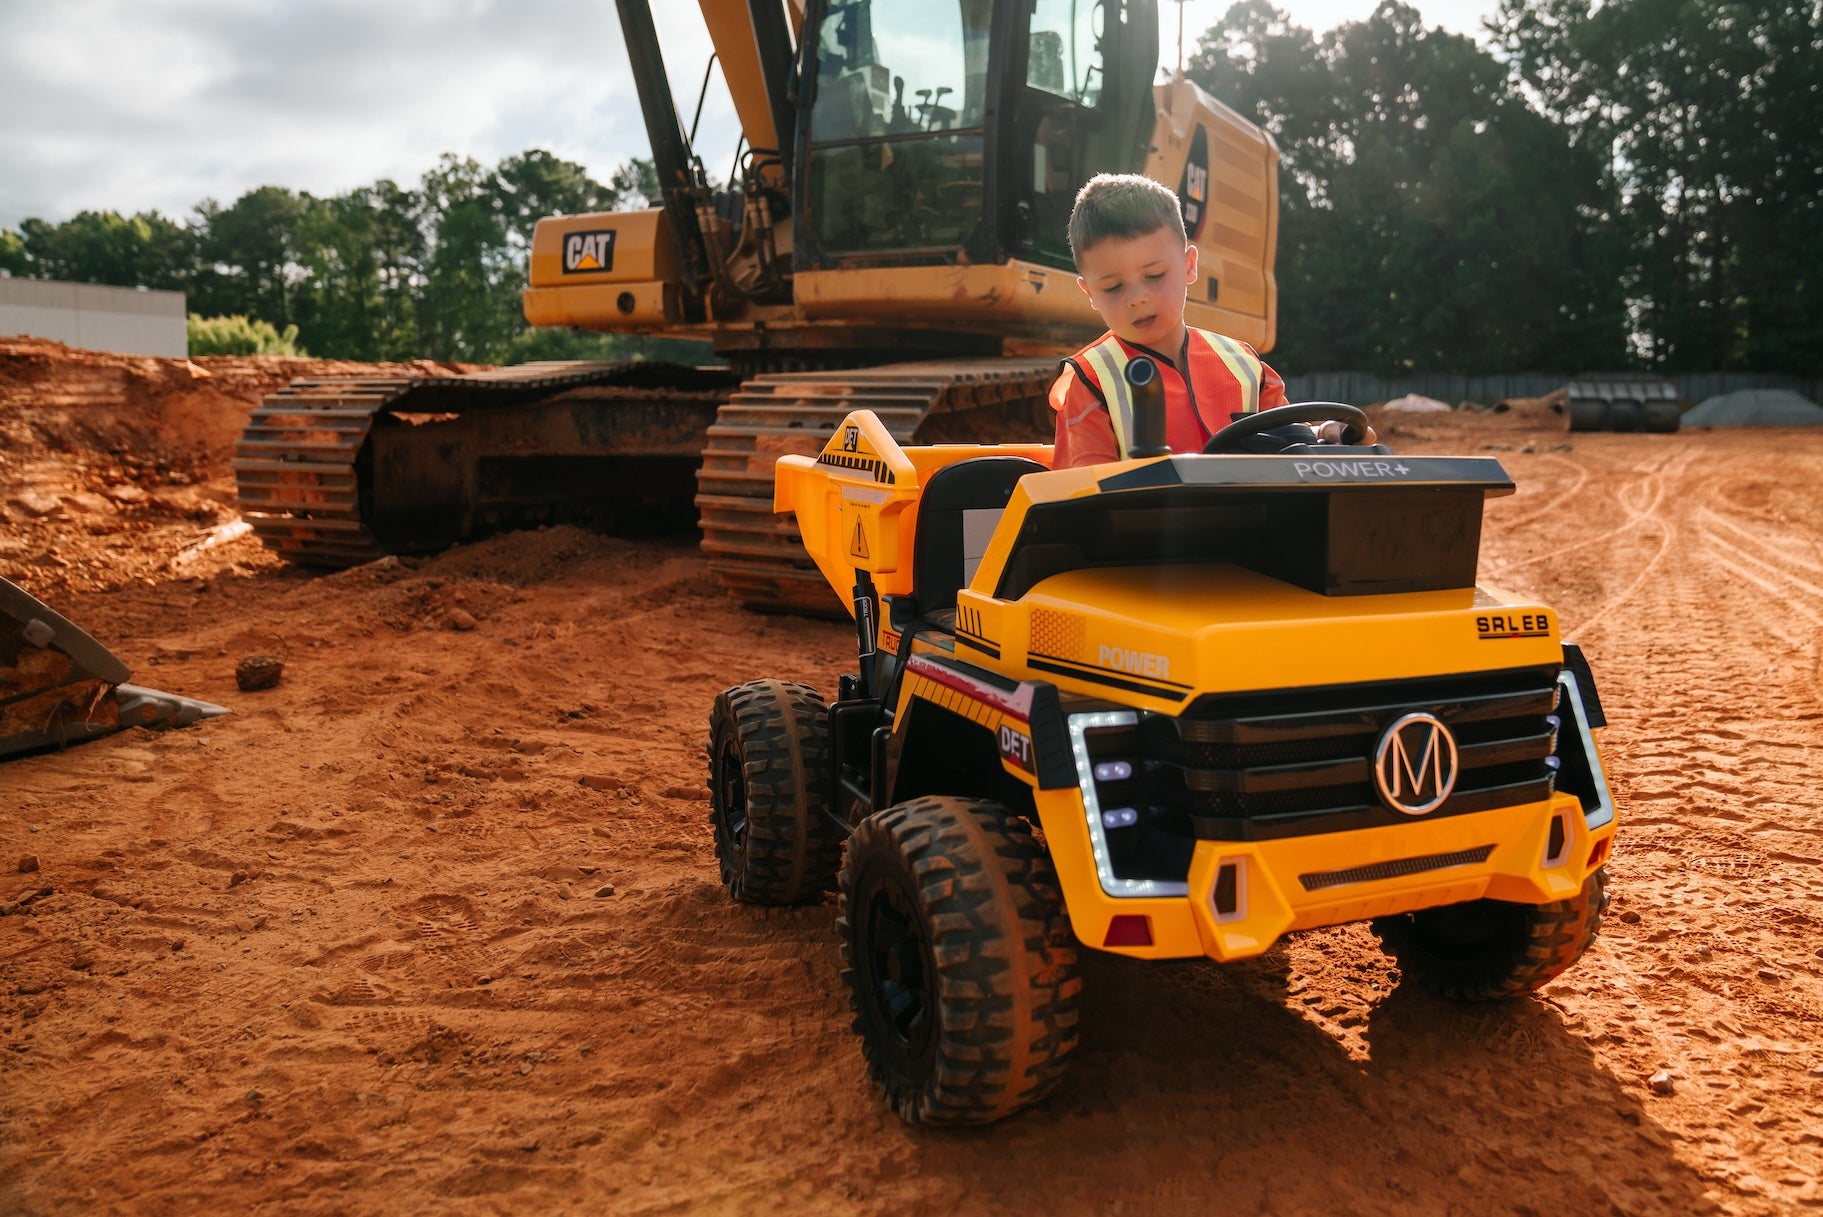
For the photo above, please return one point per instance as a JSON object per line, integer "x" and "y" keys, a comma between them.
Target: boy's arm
{"x": 1272, "y": 386}
{"x": 1085, "y": 433}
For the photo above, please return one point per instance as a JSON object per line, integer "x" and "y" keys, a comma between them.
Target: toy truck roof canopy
{"x": 1338, "y": 526}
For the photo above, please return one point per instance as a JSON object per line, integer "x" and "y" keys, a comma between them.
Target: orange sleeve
{"x": 1272, "y": 386}
{"x": 1085, "y": 433}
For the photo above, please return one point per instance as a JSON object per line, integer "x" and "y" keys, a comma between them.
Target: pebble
{"x": 1629, "y": 918}
{"x": 601, "y": 781}
{"x": 28, "y": 864}
{"x": 1661, "y": 1082}
{"x": 257, "y": 672}
{"x": 254, "y": 1095}
{"x": 1771, "y": 974}
{"x": 462, "y": 619}
{"x": 237, "y": 878}
{"x": 606, "y": 889}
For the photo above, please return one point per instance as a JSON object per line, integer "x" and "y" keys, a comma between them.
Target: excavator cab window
{"x": 896, "y": 125}
{"x": 941, "y": 130}
{"x": 1086, "y": 108}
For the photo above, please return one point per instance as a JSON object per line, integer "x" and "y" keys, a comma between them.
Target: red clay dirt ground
{"x": 434, "y": 926}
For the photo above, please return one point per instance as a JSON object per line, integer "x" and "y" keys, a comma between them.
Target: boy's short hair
{"x": 1123, "y": 205}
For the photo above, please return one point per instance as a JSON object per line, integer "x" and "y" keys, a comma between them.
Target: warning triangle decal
{"x": 858, "y": 547}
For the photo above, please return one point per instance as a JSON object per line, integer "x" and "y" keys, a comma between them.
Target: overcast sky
{"x": 137, "y": 105}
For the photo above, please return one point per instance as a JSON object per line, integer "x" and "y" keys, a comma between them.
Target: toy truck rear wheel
{"x": 959, "y": 963}
{"x": 1487, "y": 950}
{"x": 768, "y": 793}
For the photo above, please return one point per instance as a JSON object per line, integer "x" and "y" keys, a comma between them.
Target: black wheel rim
{"x": 731, "y": 799}
{"x": 898, "y": 973}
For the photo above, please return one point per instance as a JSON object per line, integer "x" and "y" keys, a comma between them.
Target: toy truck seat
{"x": 957, "y": 512}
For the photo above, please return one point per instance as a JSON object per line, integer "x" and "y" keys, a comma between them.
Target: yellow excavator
{"x": 891, "y": 238}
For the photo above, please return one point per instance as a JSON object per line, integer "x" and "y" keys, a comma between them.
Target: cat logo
{"x": 586, "y": 253}
{"x": 1193, "y": 191}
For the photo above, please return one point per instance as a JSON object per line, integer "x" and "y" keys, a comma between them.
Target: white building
{"x": 126, "y": 320}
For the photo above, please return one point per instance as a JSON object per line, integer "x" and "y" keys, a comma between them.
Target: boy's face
{"x": 1138, "y": 285}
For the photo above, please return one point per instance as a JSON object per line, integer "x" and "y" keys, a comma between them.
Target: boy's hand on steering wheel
{"x": 1331, "y": 432}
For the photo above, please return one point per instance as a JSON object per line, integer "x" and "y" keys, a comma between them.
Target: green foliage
{"x": 1429, "y": 218}
{"x": 635, "y": 185}
{"x": 1703, "y": 115}
{"x": 382, "y": 272}
{"x": 13, "y": 259}
{"x": 236, "y": 335}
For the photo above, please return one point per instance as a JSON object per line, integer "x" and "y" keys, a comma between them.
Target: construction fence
{"x": 1366, "y": 388}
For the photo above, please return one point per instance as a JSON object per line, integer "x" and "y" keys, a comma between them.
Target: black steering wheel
{"x": 1228, "y": 439}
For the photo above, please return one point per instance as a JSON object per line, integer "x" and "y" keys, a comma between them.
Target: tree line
{"x": 1638, "y": 185}
{"x": 1634, "y": 185}
{"x": 383, "y": 272}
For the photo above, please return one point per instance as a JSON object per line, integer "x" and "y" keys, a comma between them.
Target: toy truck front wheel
{"x": 959, "y": 962}
{"x": 769, "y": 793}
{"x": 1487, "y": 950}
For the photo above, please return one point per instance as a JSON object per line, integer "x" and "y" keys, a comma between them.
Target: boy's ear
{"x": 1084, "y": 285}
{"x": 1190, "y": 263}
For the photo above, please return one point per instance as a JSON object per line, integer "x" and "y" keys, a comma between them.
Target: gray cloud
{"x": 158, "y": 104}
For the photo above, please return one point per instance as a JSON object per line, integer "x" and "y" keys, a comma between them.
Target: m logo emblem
{"x": 1415, "y": 764}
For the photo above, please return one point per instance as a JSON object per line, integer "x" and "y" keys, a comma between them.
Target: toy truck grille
{"x": 1260, "y": 766}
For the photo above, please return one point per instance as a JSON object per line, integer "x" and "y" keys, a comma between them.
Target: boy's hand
{"x": 1332, "y": 432}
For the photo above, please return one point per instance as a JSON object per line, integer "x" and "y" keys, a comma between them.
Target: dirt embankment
{"x": 434, "y": 926}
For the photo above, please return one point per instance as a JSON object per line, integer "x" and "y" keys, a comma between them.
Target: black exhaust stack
{"x": 1148, "y": 393}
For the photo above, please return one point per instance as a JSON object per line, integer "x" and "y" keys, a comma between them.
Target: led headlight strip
{"x": 1080, "y": 725}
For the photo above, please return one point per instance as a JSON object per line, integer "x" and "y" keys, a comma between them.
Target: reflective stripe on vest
{"x": 1242, "y": 363}
{"x": 1106, "y": 365}
{"x": 1106, "y": 362}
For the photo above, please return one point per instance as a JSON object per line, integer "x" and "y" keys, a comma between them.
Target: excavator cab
{"x": 960, "y": 131}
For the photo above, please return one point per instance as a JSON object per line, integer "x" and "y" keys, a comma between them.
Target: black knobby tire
{"x": 960, "y": 966}
{"x": 1488, "y": 950}
{"x": 769, "y": 793}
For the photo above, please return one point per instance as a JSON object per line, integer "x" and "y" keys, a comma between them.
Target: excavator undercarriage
{"x": 337, "y": 472}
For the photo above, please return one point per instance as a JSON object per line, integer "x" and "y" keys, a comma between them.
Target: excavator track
{"x": 304, "y": 465}
{"x": 755, "y": 553}
{"x": 294, "y": 467}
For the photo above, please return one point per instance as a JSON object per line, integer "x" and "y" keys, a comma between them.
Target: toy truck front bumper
{"x": 1244, "y": 895}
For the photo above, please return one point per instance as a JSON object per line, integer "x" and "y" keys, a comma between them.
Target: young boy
{"x": 1137, "y": 265}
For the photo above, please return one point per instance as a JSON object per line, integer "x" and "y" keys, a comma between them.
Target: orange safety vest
{"x": 1213, "y": 359}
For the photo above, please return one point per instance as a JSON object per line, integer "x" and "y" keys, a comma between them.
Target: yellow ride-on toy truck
{"x": 1172, "y": 707}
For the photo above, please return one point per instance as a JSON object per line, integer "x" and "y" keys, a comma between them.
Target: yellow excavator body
{"x": 892, "y": 238}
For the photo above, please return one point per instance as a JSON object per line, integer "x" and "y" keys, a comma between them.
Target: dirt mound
{"x": 1755, "y": 408}
{"x": 434, "y": 925}
{"x": 97, "y": 448}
